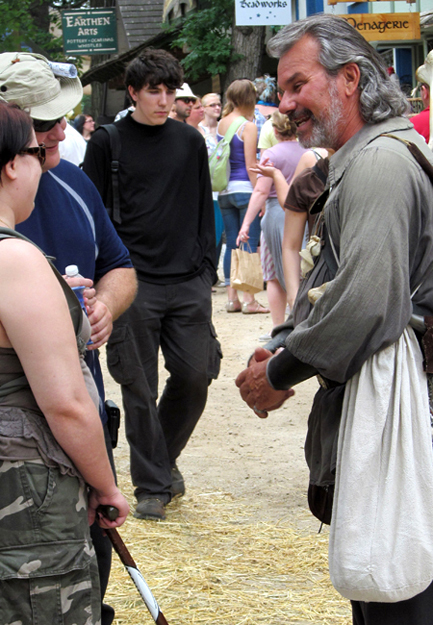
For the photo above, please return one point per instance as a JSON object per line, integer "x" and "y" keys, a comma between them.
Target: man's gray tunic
{"x": 380, "y": 217}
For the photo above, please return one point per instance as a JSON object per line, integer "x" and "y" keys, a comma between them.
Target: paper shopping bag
{"x": 246, "y": 271}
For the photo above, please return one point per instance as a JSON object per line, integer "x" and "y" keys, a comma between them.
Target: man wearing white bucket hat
{"x": 183, "y": 102}
{"x": 69, "y": 221}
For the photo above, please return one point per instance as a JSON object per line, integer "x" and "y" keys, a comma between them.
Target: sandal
{"x": 233, "y": 306}
{"x": 253, "y": 308}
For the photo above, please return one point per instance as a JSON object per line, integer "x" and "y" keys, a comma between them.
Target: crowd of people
{"x": 321, "y": 180}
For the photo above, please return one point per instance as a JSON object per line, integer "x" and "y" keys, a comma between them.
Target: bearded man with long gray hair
{"x": 375, "y": 272}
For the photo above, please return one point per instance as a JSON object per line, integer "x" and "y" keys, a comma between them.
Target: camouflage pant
{"x": 48, "y": 569}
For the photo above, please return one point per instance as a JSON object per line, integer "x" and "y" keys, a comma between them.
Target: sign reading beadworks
{"x": 385, "y": 26}
{"x": 89, "y": 32}
{"x": 263, "y": 12}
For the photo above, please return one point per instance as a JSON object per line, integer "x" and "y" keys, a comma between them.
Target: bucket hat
{"x": 27, "y": 79}
{"x": 185, "y": 92}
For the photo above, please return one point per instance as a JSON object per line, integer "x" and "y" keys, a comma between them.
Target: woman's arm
{"x": 294, "y": 228}
{"x": 266, "y": 168}
{"x": 256, "y": 204}
{"x": 250, "y": 149}
{"x": 35, "y": 319}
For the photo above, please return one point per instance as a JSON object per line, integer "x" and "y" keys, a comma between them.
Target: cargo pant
{"x": 48, "y": 568}
{"x": 177, "y": 319}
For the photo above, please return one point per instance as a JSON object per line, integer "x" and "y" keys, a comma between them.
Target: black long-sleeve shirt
{"x": 165, "y": 197}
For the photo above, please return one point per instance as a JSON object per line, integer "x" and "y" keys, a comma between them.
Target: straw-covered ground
{"x": 240, "y": 548}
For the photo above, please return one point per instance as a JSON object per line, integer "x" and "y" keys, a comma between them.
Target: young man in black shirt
{"x": 167, "y": 224}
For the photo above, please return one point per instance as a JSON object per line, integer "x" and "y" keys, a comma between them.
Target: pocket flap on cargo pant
{"x": 44, "y": 559}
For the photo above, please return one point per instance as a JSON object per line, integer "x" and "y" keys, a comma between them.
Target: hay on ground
{"x": 208, "y": 564}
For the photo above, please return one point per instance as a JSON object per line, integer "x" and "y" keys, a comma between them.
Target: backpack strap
{"x": 115, "y": 146}
{"x": 319, "y": 173}
{"x": 73, "y": 303}
{"x": 416, "y": 153}
{"x": 233, "y": 128}
{"x": 328, "y": 250}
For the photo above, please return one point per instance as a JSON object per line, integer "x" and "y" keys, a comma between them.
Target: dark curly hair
{"x": 152, "y": 68}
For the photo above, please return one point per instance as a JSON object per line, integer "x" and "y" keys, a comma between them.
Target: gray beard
{"x": 326, "y": 131}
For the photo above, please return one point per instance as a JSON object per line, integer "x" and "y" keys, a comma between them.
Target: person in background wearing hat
{"x": 70, "y": 222}
{"x": 183, "y": 102}
{"x": 167, "y": 223}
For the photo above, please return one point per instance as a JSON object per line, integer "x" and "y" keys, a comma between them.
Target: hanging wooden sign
{"x": 385, "y": 26}
{"x": 331, "y": 2}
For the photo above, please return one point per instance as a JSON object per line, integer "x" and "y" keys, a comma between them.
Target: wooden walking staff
{"x": 122, "y": 551}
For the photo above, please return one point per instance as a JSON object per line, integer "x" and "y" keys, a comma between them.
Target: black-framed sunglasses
{"x": 44, "y": 126}
{"x": 38, "y": 151}
{"x": 187, "y": 100}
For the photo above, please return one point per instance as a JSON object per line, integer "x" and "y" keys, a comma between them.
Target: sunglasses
{"x": 38, "y": 151}
{"x": 187, "y": 100}
{"x": 45, "y": 126}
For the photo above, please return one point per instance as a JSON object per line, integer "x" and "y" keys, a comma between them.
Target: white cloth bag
{"x": 381, "y": 535}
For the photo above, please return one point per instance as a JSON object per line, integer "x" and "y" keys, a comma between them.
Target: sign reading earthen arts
{"x": 263, "y": 12}
{"x": 89, "y": 32}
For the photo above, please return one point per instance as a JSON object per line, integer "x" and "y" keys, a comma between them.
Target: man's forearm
{"x": 284, "y": 371}
{"x": 117, "y": 290}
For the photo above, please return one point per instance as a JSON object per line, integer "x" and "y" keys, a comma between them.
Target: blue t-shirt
{"x": 70, "y": 223}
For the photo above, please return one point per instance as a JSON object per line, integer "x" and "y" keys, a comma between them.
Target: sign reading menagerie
{"x": 385, "y": 26}
{"x": 263, "y": 12}
{"x": 89, "y": 32}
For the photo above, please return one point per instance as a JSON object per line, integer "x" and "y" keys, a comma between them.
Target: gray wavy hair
{"x": 340, "y": 44}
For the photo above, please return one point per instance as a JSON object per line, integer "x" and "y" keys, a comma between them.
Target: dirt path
{"x": 241, "y": 547}
{"x": 231, "y": 449}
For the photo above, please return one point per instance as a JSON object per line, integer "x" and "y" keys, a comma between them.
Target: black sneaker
{"x": 152, "y": 509}
{"x": 177, "y": 484}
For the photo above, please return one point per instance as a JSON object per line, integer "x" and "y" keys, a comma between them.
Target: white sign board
{"x": 263, "y": 12}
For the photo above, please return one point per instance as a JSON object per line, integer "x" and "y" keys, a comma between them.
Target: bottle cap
{"x": 71, "y": 271}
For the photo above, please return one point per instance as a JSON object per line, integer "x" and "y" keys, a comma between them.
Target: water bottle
{"x": 72, "y": 272}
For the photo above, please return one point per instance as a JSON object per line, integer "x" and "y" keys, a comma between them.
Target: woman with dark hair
{"x": 54, "y": 469}
{"x": 85, "y": 125}
{"x": 233, "y": 201}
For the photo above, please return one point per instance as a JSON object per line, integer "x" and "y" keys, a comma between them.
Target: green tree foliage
{"x": 15, "y": 20}
{"x": 26, "y": 24}
{"x": 206, "y": 35}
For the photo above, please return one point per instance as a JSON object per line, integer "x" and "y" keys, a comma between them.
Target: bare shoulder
{"x": 250, "y": 128}
{"x": 17, "y": 255}
{"x": 308, "y": 159}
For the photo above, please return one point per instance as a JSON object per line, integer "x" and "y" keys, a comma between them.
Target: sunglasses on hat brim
{"x": 44, "y": 126}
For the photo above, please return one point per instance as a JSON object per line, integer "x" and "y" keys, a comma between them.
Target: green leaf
{"x": 206, "y": 34}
